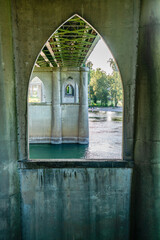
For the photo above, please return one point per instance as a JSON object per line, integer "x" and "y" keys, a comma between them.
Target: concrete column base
{"x": 39, "y": 140}
{"x": 70, "y": 140}
{"x": 56, "y": 140}
{"x": 83, "y": 140}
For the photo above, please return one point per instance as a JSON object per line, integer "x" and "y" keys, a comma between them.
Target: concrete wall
{"x": 40, "y": 120}
{"x": 61, "y": 118}
{"x": 70, "y": 76}
{"x": 75, "y": 203}
{"x": 10, "y": 222}
{"x": 45, "y": 75}
{"x": 70, "y": 122}
{"x": 34, "y": 23}
{"x": 146, "y": 181}
{"x": 40, "y": 114}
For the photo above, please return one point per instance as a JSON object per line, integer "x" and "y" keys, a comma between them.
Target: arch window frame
{"x": 69, "y": 88}
{"x": 69, "y": 95}
{"x": 42, "y": 89}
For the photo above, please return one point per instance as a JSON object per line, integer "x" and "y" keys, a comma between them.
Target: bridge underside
{"x": 70, "y": 45}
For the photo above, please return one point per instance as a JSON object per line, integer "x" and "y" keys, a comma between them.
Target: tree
{"x": 99, "y": 85}
{"x": 113, "y": 65}
{"x": 115, "y": 91}
{"x": 105, "y": 87}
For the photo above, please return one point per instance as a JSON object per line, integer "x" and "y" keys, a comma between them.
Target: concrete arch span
{"x": 116, "y": 40}
{"x": 48, "y": 54}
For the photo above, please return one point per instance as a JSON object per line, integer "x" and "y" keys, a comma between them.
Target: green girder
{"x": 69, "y": 45}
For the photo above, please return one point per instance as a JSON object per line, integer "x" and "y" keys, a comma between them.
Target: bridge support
{"x": 83, "y": 108}
{"x": 56, "y": 126}
{"x": 146, "y": 177}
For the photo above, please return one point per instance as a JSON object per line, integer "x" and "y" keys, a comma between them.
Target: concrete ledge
{"x": 40, "y": 104}
{"x": 69, "y": 140}
{"x": 35, "y": 140}
{"x": 54, "y": 140}
{"x": 73, "y": 163}
{"x": 82, "y": 140}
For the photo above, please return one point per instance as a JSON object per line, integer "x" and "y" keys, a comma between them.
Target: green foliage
{"x": 106, "y": 88}
{"x": 99, "y": 86}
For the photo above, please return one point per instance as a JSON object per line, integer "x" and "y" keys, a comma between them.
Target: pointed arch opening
{"x": 36, "y": 90}
{"x": 72, "y": 83}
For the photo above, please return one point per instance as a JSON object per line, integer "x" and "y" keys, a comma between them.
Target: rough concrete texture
{"x": 61, "y": 119}
{"x": 34, "y": 22}
{"x": 9, "y": 183}
{"x": 146, "y": 194}
{"x": 45, "y": 75}
{"x": 75, "y": 203}
{"x": 39, "y": 122}
{"x": 40, "y": 115}
{"x": 70, "y": 76}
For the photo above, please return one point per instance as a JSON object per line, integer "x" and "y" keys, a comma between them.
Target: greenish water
{"x": 105, "y": 141}
{"x": 60, "y": 151}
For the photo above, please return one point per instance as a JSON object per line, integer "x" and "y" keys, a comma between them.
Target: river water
{"x": 105, "y": 140}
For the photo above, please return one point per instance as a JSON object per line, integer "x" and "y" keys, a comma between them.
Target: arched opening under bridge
{"x": 72, "y": 83}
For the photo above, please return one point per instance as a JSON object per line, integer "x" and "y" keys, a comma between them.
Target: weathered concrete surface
{"x": 61, "y": 119}
{"x": 70, "y": 119}
{"x": 83, "y": 108}
{"x": 40, "y": 115}
{"x": 146, "y": 188}
{"x": 70, "y": 75}
{"x": 39, "y": 120}
{"x": 45, "y": 75}
{"x": 34, "y": 23}
{"x": 118, "y": 23}
{"x": 9, "y": 184}
{"x": 76, "y": 203}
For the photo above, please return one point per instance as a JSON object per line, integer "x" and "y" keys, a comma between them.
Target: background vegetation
{"x": 105, "y": 89}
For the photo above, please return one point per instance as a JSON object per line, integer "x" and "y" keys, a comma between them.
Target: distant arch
{"x": 69, "y": 90}
{"x": 106, "y": 43}
{"x": 36, "y": 91}
{"x": 48, "y": 54}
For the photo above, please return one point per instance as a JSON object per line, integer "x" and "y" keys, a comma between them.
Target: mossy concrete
{"x": 27, "y": 26}
{"x": 76, "y": 203}
{"x": 146, "y": 194}
{"x": 10, "y": 227}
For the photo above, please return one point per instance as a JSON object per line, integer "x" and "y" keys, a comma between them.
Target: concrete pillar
{"x": 39, "y": 92}
{"x": 56, "y": 137}
{"x": 83, "y": 107}
{"x": 10, "y": 217}
{"x": 42, "y": 93}
{"x": 146, "y": 174}
{"x": 31, "y": 91}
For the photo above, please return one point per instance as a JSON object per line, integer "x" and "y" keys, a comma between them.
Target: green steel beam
{"x": 70, "y": 44}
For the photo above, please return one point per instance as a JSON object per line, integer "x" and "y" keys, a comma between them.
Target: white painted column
{"x": 56, "y": 137}
{"x": 83, "y": 107}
